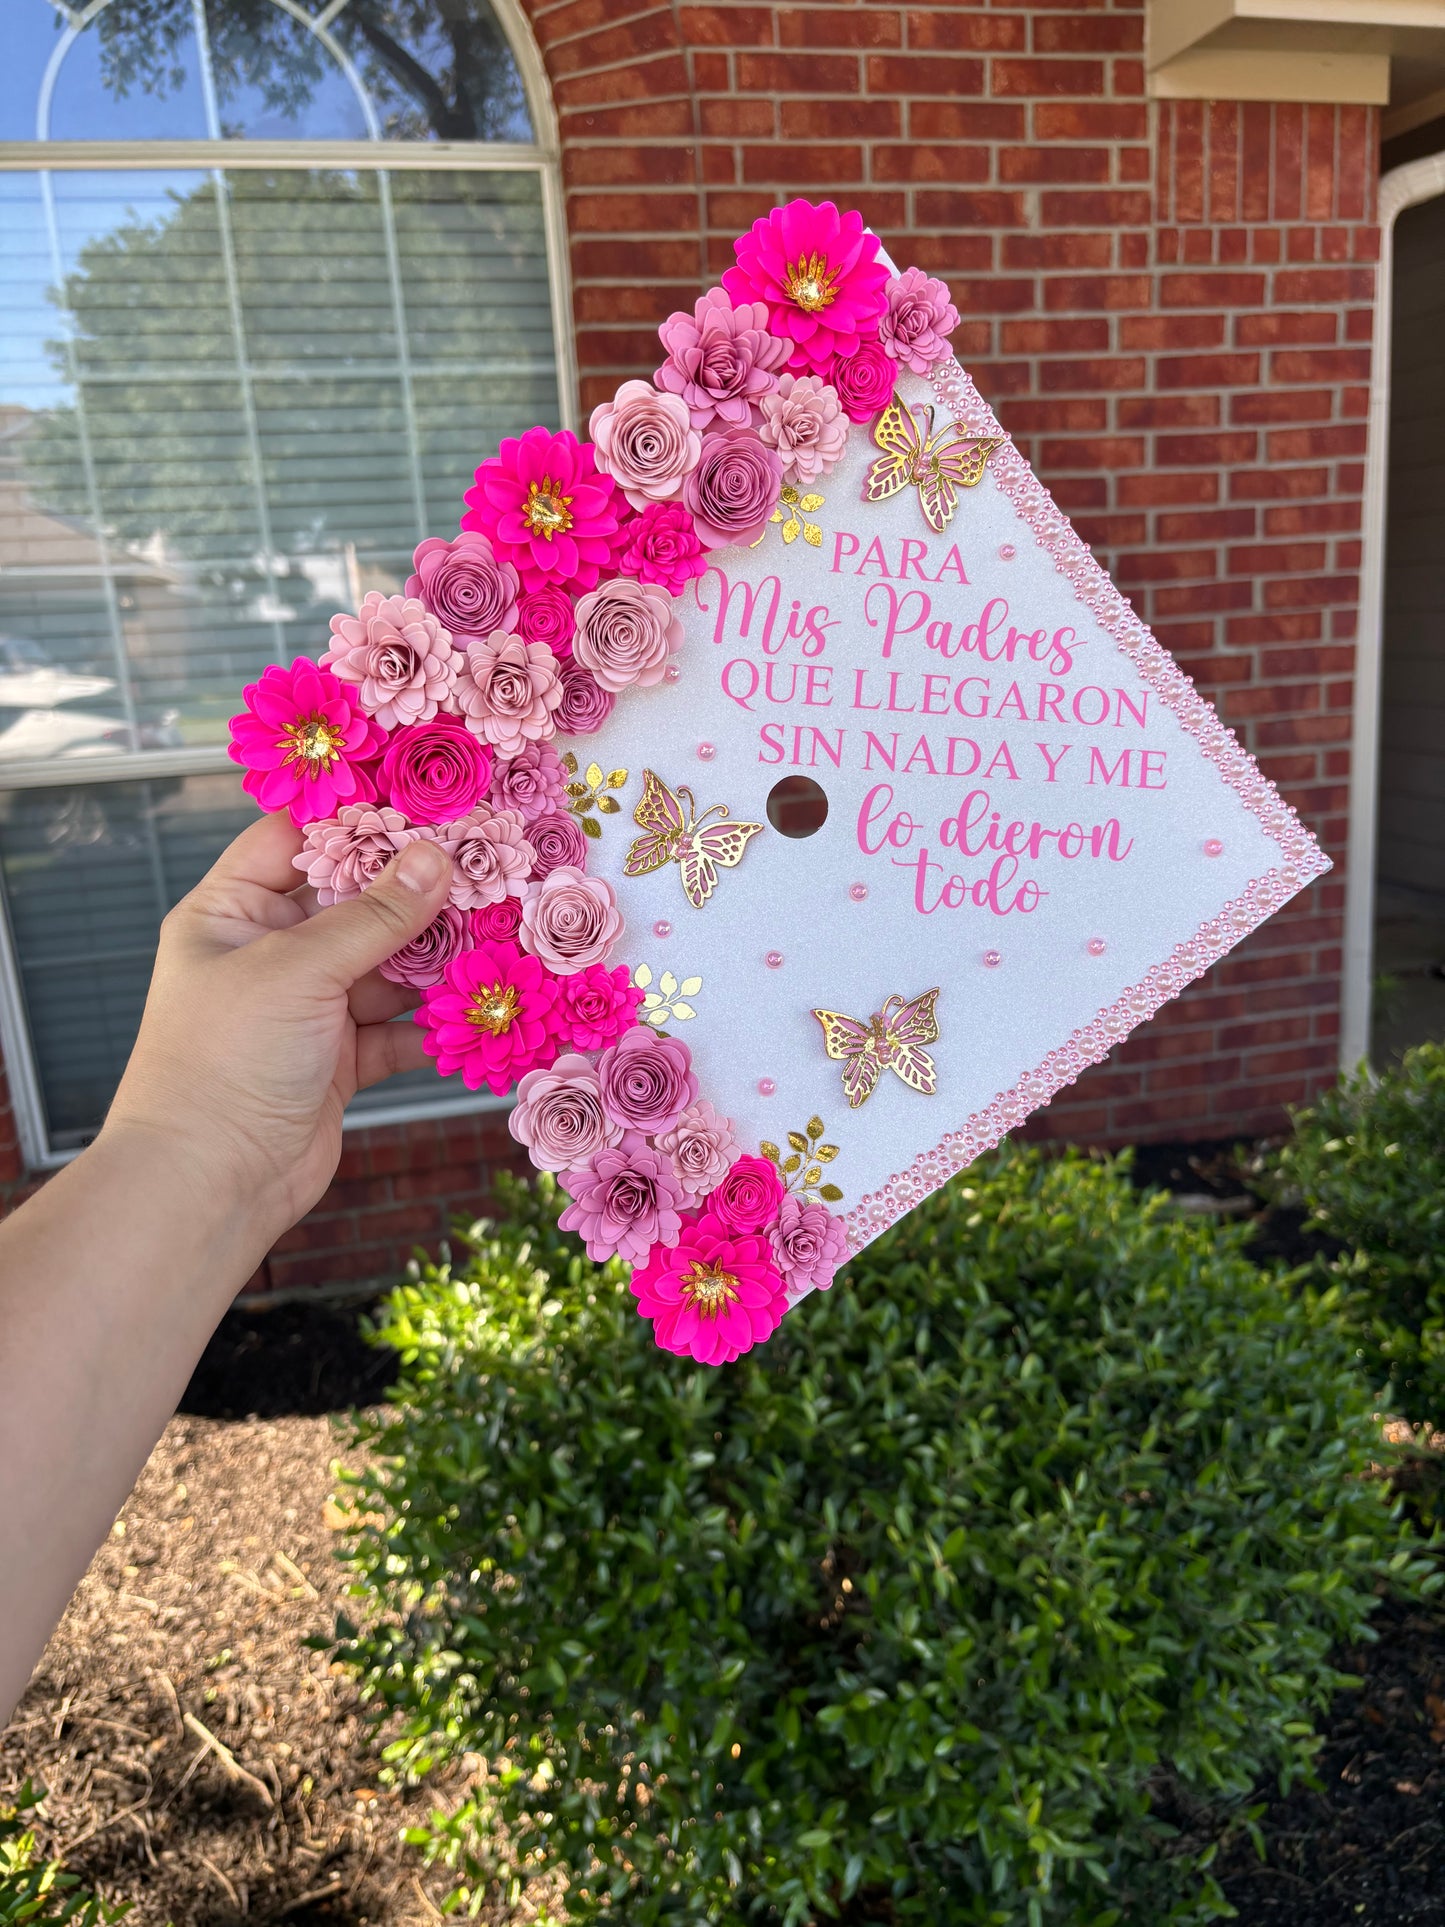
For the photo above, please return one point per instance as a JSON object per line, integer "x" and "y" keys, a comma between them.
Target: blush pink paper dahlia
{"x": 585, "y": 704}
{"x": 647, "y": 1081}
{"x": 627, "y": 633}
{"x": 803, "y": 420}
{"x": 466, "y": 588}
{"x": 545, "y": 509}
{"x": 558, "y": 843}
{"x": 569, "y": 920}
{"x": 917, "y": 321}
{"x": 398, "y": 657}
{"x": 702, "y": 1146}
{"x": 303, "y": 740}
{"x": 492, "y": 1018}
{"x": 625, "y": 1201}
{"x": 734, "y": 488}
{"x": 490, "y": 855}
{"x": 559, "y": 1116}
{"x": 721, "y": 359}
{"x": 533, "y": 782}
{"x": 712, "y": 1295}
{"x": 818, "y": 273}
{"x": 346, "y": 852}
{"x": 508, "y": 691}
{"x": 809, "y": 1244}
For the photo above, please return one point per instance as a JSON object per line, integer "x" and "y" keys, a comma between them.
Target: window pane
{"x": 228, "y": 409}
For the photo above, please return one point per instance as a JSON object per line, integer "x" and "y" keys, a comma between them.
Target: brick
{"x": 932, "y": 161}
{"x": 1320, "y": 364}
{"x": 1207, "y": 371}
{"x": 1091, "y": 120}
{"x": 1282, "y": 558}
{"x": 1166, "y": 411}
{"x": 635, "y": 120}
{"x": 923, "y": 74}
{"x": 1068, "y": 250}
{"x": 1201, "y": 598}
{"x": 970, "y": 121}
{"x": 1308, "y": 661}
{"x": 1154, "y": 489}
{"x": 1211, "y": 290}
{"x": 627, "y": 165}
{"x": 751, "y": 119}
{"x": 1095, "y": 293}
{"x": 1155, "y": 331}
{"x": 1168, "y": 565}
{"x": 1205, "y": 525}
{"x": 1092, "y": 33}
{"x": 644, "y": 80}
{"x": 971, "y": 29}
{"x": 832, "y": 119}
{"x": 1311, "y": 591}
{"x": 1296, "y": 405}
{"x": 1079, "y": 414}
{"x": 1090, "y": 207}
{"x": 1089, "y": 375}
{"x": 1091, "y": 165}
{"x": 787, "y": 73}
{"x": 628, "y": 40}
{"x": 630, "y": 213}
{"x": 1255, "y": 484}
{"x": 814, "y": 165}
{"x": 729, "y": 26}
{"x": 1038, "y": 336}
{"x": 1317, "y": 518}
{"x": 1306, "y": 444}
{"x": 1101, "y": 451}
{"x": 837, "y": 27}
{"x": 1220, "y": 450}
{"x": 1302, "y": 287}
{"x": 935, "y": 208}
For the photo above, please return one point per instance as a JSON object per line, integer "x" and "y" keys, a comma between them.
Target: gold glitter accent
{"x": 313, "y": 741}
{"x": 672, "y": 834}
{"x": 811, "y": 283}
{"x": 493, "y": 1010}
{"x": 802, "y": 1169}
{"x": 547, "y": 512}
{"x": 709, "y": 1289}
{"x": 890, "y": 1040}
{"x": 590, "y": 791}
{"x": 917, "y": 455}
{"x": 792, "y": 511}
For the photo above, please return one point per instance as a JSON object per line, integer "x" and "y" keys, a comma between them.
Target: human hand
{"x": 265, "y": 1016}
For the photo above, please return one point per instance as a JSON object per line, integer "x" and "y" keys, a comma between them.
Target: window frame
{"x": 44, "y": 156}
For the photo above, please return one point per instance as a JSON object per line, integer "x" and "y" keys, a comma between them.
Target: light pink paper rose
{"x": 645, "y": 441}
{"x": 626, "y": 631}
{"x": 569, "y": 920}
{"x": 809, "y": 1244}
{"x": 468, "y": 591}
{"x": 734, "y": 488}
{"x": 803, "y": 420}
{"x": 721, "y": 359}
{"x": 647, "y": 1081}
{"x": 559, "y": 1116}
{"x": 346, "y": 852}
{"x": 624, "y": 1202}
{"x": 702, "y": 1147}
{"x": 491, "y": 856}
{"x": 397, "y": 656}
{"x": 508, "y": 691}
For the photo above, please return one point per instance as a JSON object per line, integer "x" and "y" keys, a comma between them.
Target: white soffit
{"x": 1386, "y": 53}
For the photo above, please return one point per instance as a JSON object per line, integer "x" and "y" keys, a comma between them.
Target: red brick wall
{"x": 1169, "y": 307}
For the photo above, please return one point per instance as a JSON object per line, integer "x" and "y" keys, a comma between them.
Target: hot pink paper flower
{"x": 625, "y": 1201}
{"x": 864, "y": 380}
{"x": 490, "y": 854}
{"x": 533, "y": 782}
{"x": 569, "y": 920}
{"x": 466, "y": 588}
{"x": 303, "y": 740}
{"x": 626, "y": 633}
{"x": 809, "y": 1244}
{"x": 596, "y": 1006}
{"x": 734, "y": 488}
{"x": 721, "y": 360}
{"x": 585, "y": 704}
{"x": 546, "y": 510}
{"x": 748, "y": 1197}
{"x": 917, "y": 321}
{"x": 647, "y": 1081}
{"x": 558, "y": 843}
{"x": 435, "y": 772}
{"x": 492, "y": 1018}
{"x": 498, "y": 921}
{"x": 712, "y": 1295}
{"x": 645, "y": 441}
{"x": 702, "y": 1147}
{"x": 819, "y": 274}
{"x": 662, "y": 547}
{"x": 346, "y": 852}
{"x": 803, "y": 420}
{"x": 508, "y": 691}
{"x": 398, "y": 657}
{"x": 424, "y": 960}
{"x": 546, "y": 616}
{"x": 559, "y": 1116}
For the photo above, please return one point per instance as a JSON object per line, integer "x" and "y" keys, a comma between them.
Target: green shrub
{"x": 38, "y": 1892}
{"x": 895, "y": 1620}
{"x": 1368, "y": 1161}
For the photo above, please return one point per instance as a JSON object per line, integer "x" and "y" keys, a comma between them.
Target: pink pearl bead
{"x": 1096, "y": 946}
{"x": 673, "y": 671}
{"x": 1213, "y": 847}
{"x": 707, "y": 751}
{"x": 766, "y": 1087}
{"x": 774, "y": 960}
{"x": 662, "y": 928}
{"x": 992, "y": 959}
{"x": 857, "y": 891}
{"x": 1007, "y": 552}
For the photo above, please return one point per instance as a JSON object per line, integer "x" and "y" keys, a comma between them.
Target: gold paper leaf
{"x": 608, "y": 805}
{"x": 790, "y": 1165}
{"x": 667, "y": 983}
{"x": 642, "y": 976}
{"x": 825, "y": 1153}
{"x": 812, "y": 1174}
{"x": 593, "y": 773}
{"x": 809, "y": 503}
{"x": 616, "y": 778}
{"x": 683, "y": 1010}
{"x": 569, "y": 763}
{"x": 691, "y": 986}
{"x": 770, "y": 1151}
{"x": 812, "y": 535}
{"x": 798, "y": 1141}
{"x": 830, "y": 1193}
{"x": 791, "y": 528}
{"x": 576, "y": 789}
{"x": 815, "y": 1127}
{"x": 591, "y": 827}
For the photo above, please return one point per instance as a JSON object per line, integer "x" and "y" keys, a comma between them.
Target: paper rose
{"x": 569, "y": 920}
{"x": 346, "y": 852}
{"x": 508, "y": 690}
{"x": 819, "y": 275}
{"x": 864, "y": 381}
{"x": 559, "y": 1116}
{"x": 303, "y": 740}
{"x": 596, "y": 1006}
{"x": 533, "y": 782}
{"x": 748, "y": 1195}
{"x": 424, "y": 960}
{"x": 624, "y": 1202}
{"x": 498, "y": 921}
{"x": 647, "y": 1081}
{"x": 546, "y": 510}
{"x": 434, "y": 772}
{"x": 809, "y": 1244}
{"x": 466, "y": 588}
{"x": 701, "y": 1145}
{"x": 546, "y": 616}
{"x": 558, "y": 842}
{"x": 917, "y": 321}
{"x": 491, "y": 1019}
{"x": 721, "y": 359}
{"x": 626, "y": 631}
{"x": 662, "y": 547}
{"x": 398, "y": 657}
{"x": 490, "y": 854}
{"x": 734, "y": 488}
{"x": 712, "y": 1295}
{"x": 585, "y": 704}
{"x": 645, "y": 441}
{"x": 803, "y": 420}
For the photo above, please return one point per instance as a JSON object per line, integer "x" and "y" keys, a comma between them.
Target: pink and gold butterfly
{"x": 912, "y": 453}
{"x": 671, "y": 835}
{"x": 891, "y": 1039}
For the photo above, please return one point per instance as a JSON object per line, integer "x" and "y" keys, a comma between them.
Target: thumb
{"x": 349, "y": 939}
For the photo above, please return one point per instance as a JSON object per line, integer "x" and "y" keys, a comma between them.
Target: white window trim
{"x": 1402, "y": 187}
{"x": 540, "y": 157}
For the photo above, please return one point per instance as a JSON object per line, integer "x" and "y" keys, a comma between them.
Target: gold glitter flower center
{"x": 811, "y": 283}
{"x": 313, "y": 740}
{"x": 709, "y": 1289}
{"x": 548, "y": 511}
{"x": 493, "y": 1008}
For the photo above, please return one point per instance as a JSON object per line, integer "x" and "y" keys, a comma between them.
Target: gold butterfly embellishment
{"x": 913, "y": 453}
{"x": 890, "y": 1040}
{"x": 674, "y": 834}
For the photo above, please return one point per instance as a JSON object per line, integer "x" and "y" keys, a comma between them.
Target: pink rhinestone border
{"x": 1303, "y": 859}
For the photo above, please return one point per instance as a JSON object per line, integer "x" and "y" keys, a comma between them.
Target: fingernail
{"x": 421, "y": 866}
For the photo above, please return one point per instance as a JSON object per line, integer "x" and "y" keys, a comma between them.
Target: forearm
{"x": 111, "y": 1280}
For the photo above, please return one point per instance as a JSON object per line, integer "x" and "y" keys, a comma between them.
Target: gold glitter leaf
{"x": 771, "y": 1152}
{"x": 576, "y": 789}
{"x": 825, "y": 1153}
{"x": 812, "y": 535}
{"x": 683, "y": 1010}
{"x": 569, "y": 763}
{"x": 830, "y": 1193}
{"x": 642, "y": 976}
{"x": 791, "y": 529}
{"x": 792, "y": 1164}
{"x": 608, "y": 805}
{"x": 812, "y": 1174}
{"x": 810, "y": 502}
{"x": 593, "y": 773}
{"x": 815, "y": 1127}
{"x": 616, "y": 778}
{"x": 691, "y": 986}
{"x": 591, "y": 827}
{"x": 798, "y": 1141}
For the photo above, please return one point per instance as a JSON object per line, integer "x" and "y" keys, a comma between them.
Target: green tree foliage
{"x": 36, "y": 1892}
{"x": 898, "y": 1619}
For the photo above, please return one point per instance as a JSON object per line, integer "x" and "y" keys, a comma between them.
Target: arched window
{"x": 276, "y": 275}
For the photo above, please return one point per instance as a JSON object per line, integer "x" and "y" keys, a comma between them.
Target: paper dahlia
{"x": 558, "y": 842}
{"x": 645, "y": 441}
{"x": 303, "y": 739}
{"x": 435, "y": 772}
{"x": 490, "y": 854}
{"x": 346, "y": 852}
{"x": 492, "y": 1018}
{"x": 625, "y": 1200}
{"x": 508, "y": 690}
{"x": 559, "y": 1116}
{"x": 569, "y": 920}
{"x": 627, "y": 632}
{"x": 748, "y": 1196}
{"x": 721, "y": 359}
{"x": 662, "y": 547}
{"x": 596, "y": 1006}
{"x": 819, "y": 274}
{"x": 809, "y": 1244}
{"x": 712, "y": 1295}
{"x": 917, "y": 321}
{"x": 424, "y": 959}
{"x": 702, "y": 1147}
{"x": 545, "y": 509}
{"x": 803, "y": 420}
{"x": 397, "y": 655}
{"x": 533, "y": 782}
